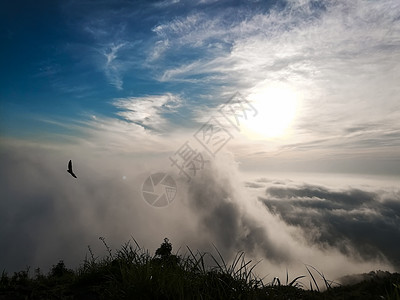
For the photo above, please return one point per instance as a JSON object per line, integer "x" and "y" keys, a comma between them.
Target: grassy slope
{"x": 132, "y": 273}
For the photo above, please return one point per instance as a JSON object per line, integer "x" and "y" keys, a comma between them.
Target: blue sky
{"x": 66, "y": 58}
{"x": 119, "y": 86}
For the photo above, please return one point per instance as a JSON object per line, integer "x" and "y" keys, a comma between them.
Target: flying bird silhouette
{"x": 70, "y": 169}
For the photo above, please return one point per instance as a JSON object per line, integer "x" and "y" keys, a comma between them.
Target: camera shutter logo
{"x": 159, "y": 189}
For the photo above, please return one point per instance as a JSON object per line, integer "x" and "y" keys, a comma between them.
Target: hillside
{"x": 132, "y": 273}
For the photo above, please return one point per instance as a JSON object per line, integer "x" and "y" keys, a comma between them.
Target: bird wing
{"x": 70, "y": 169}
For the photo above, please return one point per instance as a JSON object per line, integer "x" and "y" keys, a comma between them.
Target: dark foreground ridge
{"x": 132, "y": 273}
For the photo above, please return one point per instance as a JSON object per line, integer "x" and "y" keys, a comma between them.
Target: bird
{"x": 70, "y": 169}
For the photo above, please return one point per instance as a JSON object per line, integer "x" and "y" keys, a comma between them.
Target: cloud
{"x": 45, "y": 216}
{"x": 166, "y": 3}
{"x": 224, "y": 217}
{"x": 55, "y": 217}
{"x": 109, "y": 46}
{"x": 149, "y": 111}
{"x": 116, "y": 57}
{"x": 360, "y": 223}
{"x": 112, "y": 68}
{"x": 339, "y": 58}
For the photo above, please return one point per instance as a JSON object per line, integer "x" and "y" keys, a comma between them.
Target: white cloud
{"x": 148, "y": 111}
{"x": 166, "y": 3}
{"x": 112, "y": 67}
{"x": 214, "y": 208}
{"x": 342, "y": 59}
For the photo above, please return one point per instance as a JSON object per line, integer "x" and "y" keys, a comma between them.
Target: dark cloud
{"x": 359, "y": 223}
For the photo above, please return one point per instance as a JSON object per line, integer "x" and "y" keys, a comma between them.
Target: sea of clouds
{"x": 286, "y": 222}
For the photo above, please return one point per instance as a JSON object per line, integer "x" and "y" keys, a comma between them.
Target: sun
{"x": 276, "y": 107}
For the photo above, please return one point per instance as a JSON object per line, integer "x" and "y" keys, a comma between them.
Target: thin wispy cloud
{"x": 166, "y": 3}
{"x": 339, "y": 57}
{"x": 110, "y": 46}
{"x": 112, "y": 67}
{"x": 149, "y": 111}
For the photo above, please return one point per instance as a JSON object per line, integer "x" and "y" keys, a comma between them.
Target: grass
{"x": 133, "y": 273}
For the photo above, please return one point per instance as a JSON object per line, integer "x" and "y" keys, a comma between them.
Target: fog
{"x": 46, "y": 215}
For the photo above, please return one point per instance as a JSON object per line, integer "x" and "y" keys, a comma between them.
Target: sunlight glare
{"x": 276, "y": 106}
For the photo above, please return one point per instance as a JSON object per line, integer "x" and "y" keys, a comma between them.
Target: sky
{"x": 290, "y": 108}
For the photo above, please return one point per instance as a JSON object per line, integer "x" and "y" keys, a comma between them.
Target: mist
{"x": 46, "y": 215}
